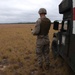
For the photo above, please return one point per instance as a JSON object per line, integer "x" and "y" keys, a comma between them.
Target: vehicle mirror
{"x": 55, "y": 25}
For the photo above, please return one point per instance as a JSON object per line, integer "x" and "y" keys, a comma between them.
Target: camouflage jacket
{"x": 40, "y": 38}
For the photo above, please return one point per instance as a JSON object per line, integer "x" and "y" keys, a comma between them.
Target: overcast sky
{"x": 27, "y": 10}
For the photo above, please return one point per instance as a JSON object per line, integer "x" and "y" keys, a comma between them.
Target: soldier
{"x": 42, "y": 44}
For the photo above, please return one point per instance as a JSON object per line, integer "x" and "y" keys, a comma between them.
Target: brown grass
{"x": 17, "y": 52}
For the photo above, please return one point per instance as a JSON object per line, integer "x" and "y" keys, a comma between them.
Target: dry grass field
{"x": 17, "y": 52}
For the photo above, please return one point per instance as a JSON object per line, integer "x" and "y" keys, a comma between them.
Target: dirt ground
{"x": 18, "y": 56}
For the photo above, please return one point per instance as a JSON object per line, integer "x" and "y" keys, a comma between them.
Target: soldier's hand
{"x": 31, "y": 30}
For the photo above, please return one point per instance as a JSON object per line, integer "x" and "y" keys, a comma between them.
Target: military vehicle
{"x": 65, "y": 37}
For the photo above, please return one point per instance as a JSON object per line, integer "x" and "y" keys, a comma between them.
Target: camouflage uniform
{"x": 42, "y": 43}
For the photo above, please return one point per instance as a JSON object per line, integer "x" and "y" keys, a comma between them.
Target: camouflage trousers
{"x": 43, "y": 51}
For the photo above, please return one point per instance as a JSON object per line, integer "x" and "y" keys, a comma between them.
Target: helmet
{"x": 42, "y": 11}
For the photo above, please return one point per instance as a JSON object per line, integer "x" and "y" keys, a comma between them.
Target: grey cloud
{"x": 27, "y": 10}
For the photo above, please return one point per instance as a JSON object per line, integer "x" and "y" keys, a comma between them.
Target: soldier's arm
{"x": 37, "y": 28}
